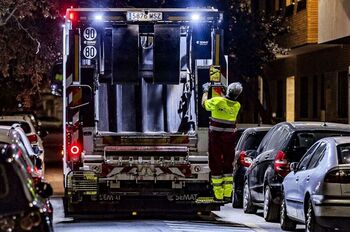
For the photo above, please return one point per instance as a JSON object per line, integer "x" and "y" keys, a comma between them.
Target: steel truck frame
{"x": 132, "y": 137}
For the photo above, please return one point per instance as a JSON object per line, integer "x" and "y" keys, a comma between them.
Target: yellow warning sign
{"x": 215, "y": 74}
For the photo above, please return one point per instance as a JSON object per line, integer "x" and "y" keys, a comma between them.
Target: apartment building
{"x": 311, "y": 82}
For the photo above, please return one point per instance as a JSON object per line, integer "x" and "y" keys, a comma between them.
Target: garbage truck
{"x": 135, "y": 138}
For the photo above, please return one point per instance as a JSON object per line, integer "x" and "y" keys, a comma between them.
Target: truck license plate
{"x": 142, "y": 16}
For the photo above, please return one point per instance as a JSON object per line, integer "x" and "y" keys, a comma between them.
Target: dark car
{"x": 244, "y": 155}
{"x": 283, "y": 144}
{"x": 23, "y": 204}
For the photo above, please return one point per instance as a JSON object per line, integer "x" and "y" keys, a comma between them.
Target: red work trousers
{"x": 221, "y": 152}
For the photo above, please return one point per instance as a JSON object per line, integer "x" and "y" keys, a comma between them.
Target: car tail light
{"x": 244, "y": 160}
{"x": 71, "y": 16}
{"x": 338, "y": 176}
{"x": 281, "y": 164}
{"x": 33, "y": 138}
{"x": 74, "y": 152}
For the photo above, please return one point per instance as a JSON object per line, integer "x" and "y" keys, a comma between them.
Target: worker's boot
{"x": 227, "y": 187}
{"x": 217, "y": 187}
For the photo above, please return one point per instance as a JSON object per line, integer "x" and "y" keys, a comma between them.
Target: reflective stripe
{"x": 215, "y": 128}
{"x": 222, "y": 121}
{"x": 217, "y": 181}
{"x": 228, "y": 179}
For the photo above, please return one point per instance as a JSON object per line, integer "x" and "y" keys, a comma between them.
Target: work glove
{"x": 205, "y": 87}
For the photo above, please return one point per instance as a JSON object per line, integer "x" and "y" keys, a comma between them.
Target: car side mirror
{"x": 294, "y": 166}
{"x": 44, "y": 189}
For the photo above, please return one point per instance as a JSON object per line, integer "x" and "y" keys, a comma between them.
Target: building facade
{"x": 311, "y": 83}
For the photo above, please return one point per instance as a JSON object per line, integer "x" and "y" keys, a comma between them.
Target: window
{"x": 289, "y": 8}
{"x": 317, "y": 156}
{"x": 25, "y": 126}
{"x": 342, "y": 106}
{"x": 307, "y": 157}
{"x": 280, "y": 100}
{"x": 301, "y": 5}
{"x": 322, "y": 90}
{"x": 344, "y": 154}
{"x": 263, "y": 145}
{"x": 253, "y": 140}
{"x": 304, "y": 94}
{"x": 278, "y": 139}
{"x": 315, "y": 97}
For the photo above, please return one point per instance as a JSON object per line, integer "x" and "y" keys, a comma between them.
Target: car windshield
{"x": 253, "y": 140}
{"x": 344, "y": 154}
{"x": 25, "y": 126}
{"x": 12, "y": 196}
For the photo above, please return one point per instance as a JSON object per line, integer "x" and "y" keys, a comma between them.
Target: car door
{"x": 306, "y": 176}
{"x": 292, "y": 180}
{"x": 253, "y": 171}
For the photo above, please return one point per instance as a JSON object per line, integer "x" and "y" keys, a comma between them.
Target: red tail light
{"x": 71, "y": 16}
{"x": 74, "y": 152}
{"x": 338, "y": 176}
{"x": 33, "y": 138}
{"x": 244, "y": 160}
{"x": 281, "y": 164}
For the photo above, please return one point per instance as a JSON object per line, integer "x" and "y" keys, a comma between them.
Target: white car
{"x": 15, "y": 135}
{"x": 317, "y": 190}
{"x": 27, "y": 125}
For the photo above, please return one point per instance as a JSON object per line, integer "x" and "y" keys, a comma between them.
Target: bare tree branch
{"x": 29, "y": 35}
{"x": 3, "y": 22}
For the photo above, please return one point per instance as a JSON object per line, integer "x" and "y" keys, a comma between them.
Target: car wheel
{"x": 285, "y": 221}
{"x": 248, "y": 206}
{"x": 311, "y": 224}
{"x": 271, "y": 210}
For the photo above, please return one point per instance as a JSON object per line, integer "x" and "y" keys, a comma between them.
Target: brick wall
{"x": 303, "y": 26}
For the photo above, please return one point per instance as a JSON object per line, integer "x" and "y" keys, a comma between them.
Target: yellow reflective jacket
{"x": 222, "y": 108}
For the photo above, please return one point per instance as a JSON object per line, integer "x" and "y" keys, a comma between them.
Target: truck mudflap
{"x": 85, "y": 196}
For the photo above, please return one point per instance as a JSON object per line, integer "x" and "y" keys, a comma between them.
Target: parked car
{"x": 316, "y": 192}
{"x": 15, "y": 135}
{"x": 27, "y": 125}
{"x": 283, "y": 144}
{"x": 244, "y": 155}
{"x": 23, "y": 204}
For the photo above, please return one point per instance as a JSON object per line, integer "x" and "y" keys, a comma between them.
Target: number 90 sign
{"x": 90, "y": 33}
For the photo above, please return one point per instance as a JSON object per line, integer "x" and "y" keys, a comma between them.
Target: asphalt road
{"x": 227, "y": 219}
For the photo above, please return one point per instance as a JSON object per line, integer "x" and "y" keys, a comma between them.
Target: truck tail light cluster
{"x": 338, "y": 176}
{"x": 281, "y": 164}
{"x": 74, "y": 152}
{"x": 244, "y": 160}
{"x": 33, "y": 138}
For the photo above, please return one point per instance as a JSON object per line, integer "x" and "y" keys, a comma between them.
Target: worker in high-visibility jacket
{"x": 222, "y": 135}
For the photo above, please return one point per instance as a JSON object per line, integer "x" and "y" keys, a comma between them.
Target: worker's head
{"x": 234, "y": 90}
